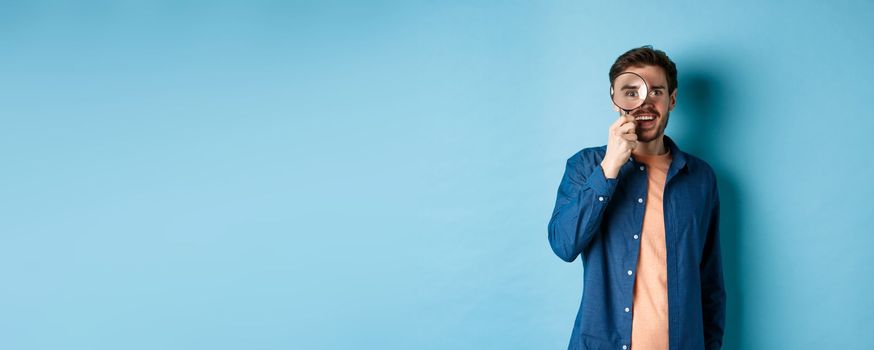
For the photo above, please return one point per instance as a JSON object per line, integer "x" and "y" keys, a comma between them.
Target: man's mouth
{"x": 644, "y": 117}
{"x": 645, "y": 120}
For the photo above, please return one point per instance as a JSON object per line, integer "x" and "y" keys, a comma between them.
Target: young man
{"x": 644, "y": 216}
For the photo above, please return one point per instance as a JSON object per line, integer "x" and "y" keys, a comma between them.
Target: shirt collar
{"x": 678, "y": 157}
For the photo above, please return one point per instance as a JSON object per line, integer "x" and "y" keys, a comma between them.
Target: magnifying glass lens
{"x": 629, "y": 91}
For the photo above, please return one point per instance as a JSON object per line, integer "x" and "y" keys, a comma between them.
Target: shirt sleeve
{"x": 582, "y": 198}
{"x": 712, "y": 286}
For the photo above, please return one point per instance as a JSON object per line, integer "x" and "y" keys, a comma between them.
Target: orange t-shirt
{"x": 649, "y": 325}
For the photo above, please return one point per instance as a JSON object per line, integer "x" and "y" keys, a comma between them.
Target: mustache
{"x": 645, "y": 111}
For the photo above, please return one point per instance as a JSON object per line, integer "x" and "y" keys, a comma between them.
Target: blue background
{"x": 379, "y": 175}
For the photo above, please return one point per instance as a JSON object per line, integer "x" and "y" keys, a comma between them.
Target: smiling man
{"x": 644, "y": 217}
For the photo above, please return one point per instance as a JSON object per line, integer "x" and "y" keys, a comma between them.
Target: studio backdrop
{"x": 380, "y": 174}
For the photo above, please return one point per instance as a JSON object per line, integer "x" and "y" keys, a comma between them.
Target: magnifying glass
{"x": 628, "y": 91}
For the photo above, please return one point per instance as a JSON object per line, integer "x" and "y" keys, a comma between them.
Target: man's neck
{"x": 653, "y": 148}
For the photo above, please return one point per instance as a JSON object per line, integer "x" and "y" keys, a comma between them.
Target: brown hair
{"x": 646, "y": 55}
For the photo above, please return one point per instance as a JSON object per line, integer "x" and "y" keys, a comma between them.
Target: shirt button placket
{"x": 630, "y": 272}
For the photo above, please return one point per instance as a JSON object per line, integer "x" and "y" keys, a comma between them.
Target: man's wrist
{"x": 610, "y": 172}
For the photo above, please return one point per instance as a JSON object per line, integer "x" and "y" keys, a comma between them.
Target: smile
{"x": 644, "y": 117}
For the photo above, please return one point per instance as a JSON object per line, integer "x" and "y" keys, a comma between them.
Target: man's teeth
{"x": 644, "y": 117}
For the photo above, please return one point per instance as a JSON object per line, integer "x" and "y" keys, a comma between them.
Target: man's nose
{"x": 649, "y": 100}
{"x": 648, "y": 103}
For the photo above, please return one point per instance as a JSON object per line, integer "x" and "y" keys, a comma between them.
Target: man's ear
{"x": 673, "y": 100}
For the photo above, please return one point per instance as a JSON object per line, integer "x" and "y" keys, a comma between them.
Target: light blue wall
{"x": 377, "y": 175}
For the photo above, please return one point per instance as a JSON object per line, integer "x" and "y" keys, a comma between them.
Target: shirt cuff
{"x": 600, "y": 183}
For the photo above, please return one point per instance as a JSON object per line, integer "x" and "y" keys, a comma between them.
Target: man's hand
{"x": 622, "y": 140}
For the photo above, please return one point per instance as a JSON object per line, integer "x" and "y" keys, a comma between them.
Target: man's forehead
{"x": 654, "y": 75}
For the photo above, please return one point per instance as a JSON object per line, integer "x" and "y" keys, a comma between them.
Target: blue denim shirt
{"x": 596, "y": 218}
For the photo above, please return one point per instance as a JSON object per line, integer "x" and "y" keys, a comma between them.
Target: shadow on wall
{"x": 704, "y": 96}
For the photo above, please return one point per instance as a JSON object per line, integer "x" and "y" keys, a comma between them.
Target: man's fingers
{"x": 630, "y": 137}
{"x": 626, "y": 128}
{"x": 630, "y": 119}
{"x": 623, "y": 139}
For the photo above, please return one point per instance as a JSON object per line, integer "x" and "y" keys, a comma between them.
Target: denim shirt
{"x": 596, "y": 218}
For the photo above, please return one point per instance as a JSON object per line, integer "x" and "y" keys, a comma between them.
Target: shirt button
{"x": 629, "y": 272}
{"x": 640, "y": 200}
{"x": 624, "y": 347}
{"x": 600, "y": 199}
{"x": 627, "y": 310}
{"x": 642, "y": 167}
{"x": 636, "y": 236}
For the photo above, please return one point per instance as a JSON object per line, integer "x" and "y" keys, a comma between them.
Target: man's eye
{"x": 657, "y": 92}
{"x": 631, "y": 93}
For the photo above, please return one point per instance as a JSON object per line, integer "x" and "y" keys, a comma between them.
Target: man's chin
{"x": 648, "y": 136}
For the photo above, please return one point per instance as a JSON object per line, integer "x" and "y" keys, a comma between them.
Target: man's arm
{"x": 579, "y": 207}
{"x": 585, "y": 190}
{"x": 712, "y": 285}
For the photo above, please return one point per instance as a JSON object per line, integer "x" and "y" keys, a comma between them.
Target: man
{"x": 644, "y": 216}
